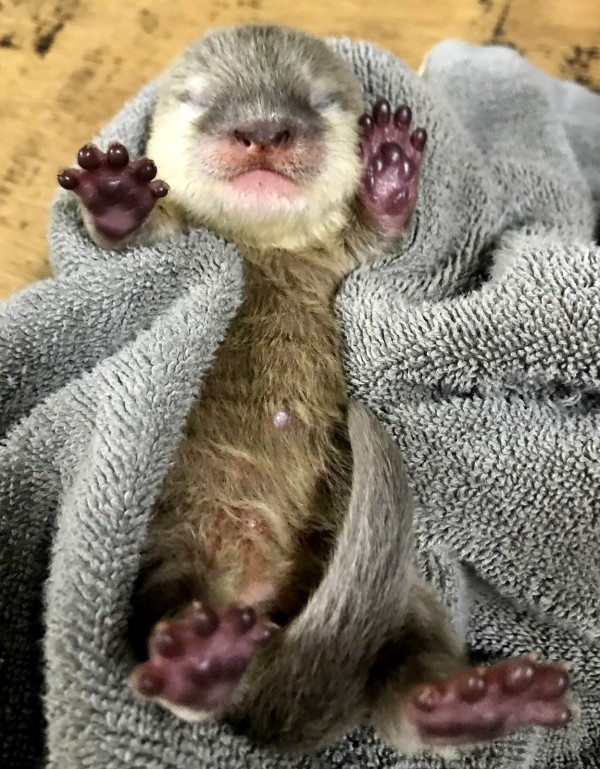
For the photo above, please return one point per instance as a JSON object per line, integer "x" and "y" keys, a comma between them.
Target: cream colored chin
{"x": 214, "y": 198}
{"x": 263, "y": 202}
{"x": 264, "y": 184}
{"x": 262, "y": 219}
{"x": 267, "y": 220}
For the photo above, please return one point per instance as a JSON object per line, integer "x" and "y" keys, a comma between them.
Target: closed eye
{"x": 200, "y": 101}
{"x": 324, "y": 101}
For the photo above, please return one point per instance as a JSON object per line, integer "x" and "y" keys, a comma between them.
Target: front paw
{"x": 392, "y": 157}
{"x": 118, "y": 194}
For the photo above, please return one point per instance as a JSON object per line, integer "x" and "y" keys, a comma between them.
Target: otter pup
{"x": 282, "y": 490}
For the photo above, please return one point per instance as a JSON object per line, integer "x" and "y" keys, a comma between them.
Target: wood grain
{"x": 66, "y": 66}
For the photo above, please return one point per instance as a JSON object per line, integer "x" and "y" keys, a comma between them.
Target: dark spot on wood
{"x": 254, "y": 4}
{"x": 8, "y": 41}
{"x": 44, "y": 43}
{"x": 10, "y": 174}
{"x": 578, "y": 63}
{"x": 487, "y": 5}
{"x": 498, "y": 35}
{"x": 77, "y": 83}
{"x": 49, "y": 19}
{"x": 24, "y": 164}
{"x": 81, "y": 77}
{"x": 23, "y": 225}
{"x": 148, "y": 20}
{"x": 498, "y": 31}
{"x": 97, "y": 56}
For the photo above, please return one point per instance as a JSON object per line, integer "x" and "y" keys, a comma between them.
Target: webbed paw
{"x": 118, "y": 194}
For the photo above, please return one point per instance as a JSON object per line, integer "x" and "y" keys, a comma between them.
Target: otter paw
{"x": 392, "y": 157}
{"x": 196, "y": 662}
{"x": 118, "y": 194}
{"x": 480, "y": 704}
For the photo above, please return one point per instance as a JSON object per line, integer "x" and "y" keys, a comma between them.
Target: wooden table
{"x": 66, "y": 66}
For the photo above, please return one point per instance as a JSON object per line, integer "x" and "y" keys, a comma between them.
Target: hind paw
{"x": 392, "y": 157}
{"x": 118, "y": 194}
{"x": 196, "y": 662}
{"x": 480, "y": 704}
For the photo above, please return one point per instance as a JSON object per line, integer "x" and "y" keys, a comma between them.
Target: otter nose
{"x": 265, "y": 133}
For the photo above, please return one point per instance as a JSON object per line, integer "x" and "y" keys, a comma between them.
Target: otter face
{"x": 256, "y": 131}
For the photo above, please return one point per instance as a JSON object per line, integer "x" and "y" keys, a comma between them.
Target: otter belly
{"x": 247, "y": 505}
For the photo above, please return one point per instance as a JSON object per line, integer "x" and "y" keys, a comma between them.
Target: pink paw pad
{"x": 392, "y": 157}
{"x": 196, "y": 662}
{"x": 479, "y": 704}
{"x": 118, "y": 194}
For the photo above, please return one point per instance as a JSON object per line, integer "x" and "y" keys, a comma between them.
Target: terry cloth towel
{"x": 477, "y": 345}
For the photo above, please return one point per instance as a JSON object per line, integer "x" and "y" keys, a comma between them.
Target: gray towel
{"x": 477, "y": 346}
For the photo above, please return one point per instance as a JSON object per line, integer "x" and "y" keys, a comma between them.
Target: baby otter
{"x": 282, "y": 489}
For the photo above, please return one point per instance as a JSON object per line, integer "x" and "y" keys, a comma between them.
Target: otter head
{"x": 256, "y": 131}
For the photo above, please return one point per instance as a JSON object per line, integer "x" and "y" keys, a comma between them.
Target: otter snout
{"x": 265, "y": 134}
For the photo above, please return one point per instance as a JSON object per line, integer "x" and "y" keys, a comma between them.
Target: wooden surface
{"x": 66, "y": 66}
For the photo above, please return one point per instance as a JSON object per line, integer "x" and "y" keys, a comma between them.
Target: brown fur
{"x": 246, "y": 514}
{"x": 243, "y": 494}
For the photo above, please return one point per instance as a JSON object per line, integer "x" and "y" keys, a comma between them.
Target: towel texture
{"x": 477, "y": 346}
